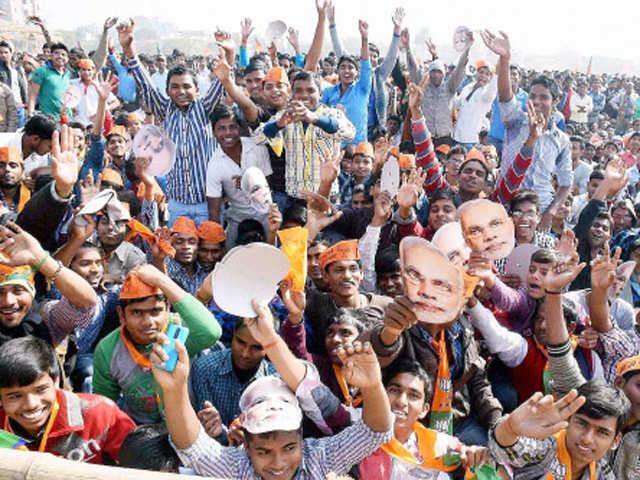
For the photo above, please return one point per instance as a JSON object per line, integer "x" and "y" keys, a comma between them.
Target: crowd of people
{"x": 464, "y": 259}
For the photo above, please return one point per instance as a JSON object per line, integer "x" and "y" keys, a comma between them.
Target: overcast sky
{"x": 542, "y": 26}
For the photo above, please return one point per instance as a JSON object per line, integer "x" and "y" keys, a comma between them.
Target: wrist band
{"x": 57, "y": 272}
{"x": 551, "y": 292}
{"x": 39, "y": 265}
{"x": 269, "y": 345}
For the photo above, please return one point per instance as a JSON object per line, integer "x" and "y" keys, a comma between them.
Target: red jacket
{"x": 86, "y": 426}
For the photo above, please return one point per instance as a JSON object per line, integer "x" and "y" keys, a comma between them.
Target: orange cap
{"x": 211, "y": 232}
{"x": 628, "y": 365}
{"x": 365, "y": 148}
{"x": 406, "y": 161}
{"x": 111, "y": 176}
{"x": 476, "y": 154}
{"x": 443, "y": 148}
{"x": 118, "y": 130}
{"x": 277, "y": 75}
{"x": 86, "y": 64}
{"x": 133, "y": 116}
{"x": 482, "y": 64}
{"x": 134, "y": 287}
{"x": 10, "y": 154}
{"x": 186, "y": 226}
{"x": 344, "y": 250}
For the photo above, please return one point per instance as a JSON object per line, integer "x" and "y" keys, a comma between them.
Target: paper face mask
{"x": 248, "y": 272}
{"x": 519, "y": 260}
{"x": 449, "y": 240}
{"x": 431, "y": 282}
{"x": 461, "y": 38}
{"x": 487, "y": 228}
{"x": 152, "y": 143}
{"x": 255, "y": 186}
{"x": 71, "y": 97}
{"x": 390, "y": 177}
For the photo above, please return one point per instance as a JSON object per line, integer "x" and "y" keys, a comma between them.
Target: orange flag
{"x": 294, "y": 246}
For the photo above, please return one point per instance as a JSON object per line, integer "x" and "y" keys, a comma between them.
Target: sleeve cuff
{"x": 57, "y": 197}
{"x": 526, "y": 152}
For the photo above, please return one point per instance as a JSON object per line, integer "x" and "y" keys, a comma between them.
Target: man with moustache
{"x": 425, "y": 325}
{"x": 184, "y": 268}
{"x": 13, "y": 193}
{"x": 487, "y": 228}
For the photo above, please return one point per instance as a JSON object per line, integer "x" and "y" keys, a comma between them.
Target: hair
{"x": 482, "y": 164}
{"x": 221, "y": 112}
{"x": 241, "y": 322}
{"x": 545, "y": 256}
{"x": 330, "y": 60}
{"x": 459, "y": 149}
{"x": 388, "y": 260}
{"x": 58, "y": 46}
{"x": 406, "y": 365}
{"x": 350, "y": 59}
{"x": 376, "y": 132}
{"x": 349, "y": 315}
{"x": 85, "y": 246}
{"x": 603, "y": 215}
{"x": 596, "y": 175}
{"x": 444, "y": 195}
{"x": 43, "y": 125}
{"x": 147, "y": 447}
{"x": 577, "y": 139}
{"x": 603, "y": 400}
{"x": 125, "y": 302}
{"x": 307, "y": 77}
{"x": 180, "y": 70}
{"x": 326, "y": 267}
{"x": 360, "y": 188}
{"x": 296, "y": 213}
{"x": 78, "y": 51}
{"x": 76, "y": 125}
{"x": 23, "y": 360}
{"x": 250, "y": 231}
{"x": 319, "y": 240}
{"x": 248, "y": 436}
{"x": 4, "y": 43}
{"x": 255, "y": 65}
{"x": 525, "y": 196}
{"x": 548, "y": 83}
{"x": 128, "y": 196}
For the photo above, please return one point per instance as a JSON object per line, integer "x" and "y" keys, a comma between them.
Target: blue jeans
{"x": 82, "y": 374}
{"x": 471, "y": 432}
{"x": 198, "y": 212}
{"x": 22, "y": 116}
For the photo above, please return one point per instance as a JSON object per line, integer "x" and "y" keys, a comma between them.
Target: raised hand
{"x": 536, "y": 125}
{"x": 562, "y": 274}
{"x": 321, "y": 7}
{"x": 398, "y": 18}
{"x": 416, "y": 92}
{"x": 169, "y": 381}
{"x": 211, "y": 420}
{"x": 64, "y": 163}
{"x": 480, "y": 266}
{"x": 331, "y": 12}
{"x": 246, "y": 30}
{"x": 567, "y": 244}
{"x": 149, "y": 275}
{"x": 261, "y": 327}
{"x": 409, "y": 192}
{"x": 89, "y": 188}
{"x": 540, "y": 417}
{"x": 381, "y": 209}
{"x": 19, "y": 247}
{"x": 588, "y": 338}
{"x": 36, "y": 21}
{"x": 295, "y": 302}
{"x": 330, "y": 167}
{"x": 84, "y": 229}
{"x": 103, "y": 85}
{"x": 603, "y": 268}
{"x": 221, "y": 69}
{"x": 381, "y": 152}
{"x": 141, "y": 165}
{"x": 163, "y": 235}
{"x": 399, "y": 316}
{"x": 432, "y": 48}
{"x": 125, "y": 36}
{"x": 363, "y": 28}
{"x": 293, "y": 38}
{"x": 320, "y": 213}
{"x": 615, "y": 176}
{"x": 360, "y": 365}
{"x": 274, "y": 218}
{"x": 109, "y": 23}
{"x": 499, "y": 46}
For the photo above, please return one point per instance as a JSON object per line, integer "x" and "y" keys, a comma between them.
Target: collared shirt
{"x": 472, "y": 106}
{"x": 124, "y": 259}
{"x": 88, "y": 106}
{"x": 551, "y": 156}
{"x": 52, "y": 86}
{"x": 496, "y": 129}
{"x": 179, "y": 274}
{"x": 353, "y": 102}
{"x": 213, "y": 379}
{"x": 336, "y": 454}
{"x": 190, "y": 130}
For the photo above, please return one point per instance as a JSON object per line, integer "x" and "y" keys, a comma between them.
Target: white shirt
{"x": 223, "y": 176}
{"x": 581, "y": 175}
{"x": 580, "y": 108}
{"x": 33, "y": 161}
{"x": 204, "y": 81}
{"x": 473, "y": 111}
{"x": 88, "y": 106}
{"x": 579, "y": 203}
{"x": 160, "y": 81}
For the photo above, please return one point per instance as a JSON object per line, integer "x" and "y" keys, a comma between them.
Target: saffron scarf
{"x": 565, "y": 459}
{"x": 441, "y": 418}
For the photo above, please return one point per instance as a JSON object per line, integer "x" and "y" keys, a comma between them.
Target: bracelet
{"x": 269, "y": 345}
{"x": 57, "y": 272}
{"x": 551, "y": 292}
{"x": 39, "y": 265}
{"x": 508, "y": 426}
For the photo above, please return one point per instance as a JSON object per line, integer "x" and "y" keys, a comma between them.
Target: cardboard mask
{"x": 487, "y": 228}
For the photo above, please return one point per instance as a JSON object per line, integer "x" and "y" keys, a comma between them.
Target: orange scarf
{"x": 142, "y": 230}
{"x": 441, "y": 418}
{"x": 138, "y": 357}
{"x": 348, "y": 401}
{"x": 565, "y": 459}
{"x": 47, "y": 430}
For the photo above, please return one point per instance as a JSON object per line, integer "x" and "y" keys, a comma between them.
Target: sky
{"x": 544, "y": 27}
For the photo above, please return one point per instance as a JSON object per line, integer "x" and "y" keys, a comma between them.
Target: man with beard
{"x": 211, "y": 244}
{"x": 13, "y": 193}
{"x": 48, "y": 83}
{"x": 424, "y": 325}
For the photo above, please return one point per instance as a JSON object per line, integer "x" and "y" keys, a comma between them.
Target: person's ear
{"x": 121, "y": 315}
{"x": 619, "y": 382}
{"x": 425, "y": 410}
{"x": 616, "y": 441}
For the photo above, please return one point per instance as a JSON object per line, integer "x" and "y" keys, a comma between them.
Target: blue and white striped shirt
{"x": 190, "y": 130}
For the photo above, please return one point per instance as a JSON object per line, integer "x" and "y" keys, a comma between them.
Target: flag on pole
{"x": 589, "y": 65}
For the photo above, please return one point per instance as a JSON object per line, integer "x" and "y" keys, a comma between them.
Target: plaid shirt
{"x": 304, "y": 148}
{"x": 213, "y": 379}
{"x": 178, "y": 273}
{"x": 190, "y": 130}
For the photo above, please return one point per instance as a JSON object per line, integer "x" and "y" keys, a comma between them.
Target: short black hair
{"x": 296, "y": 213}
{"x": 372, "y": 46}
{"x": 305, "y": 76}
{"x": 548, "y": 83}
{"x": 76, "y": 125}
{"x": 241, "y": 322}
{"x": 4, "y": 43}
{"x": 221, "y": 112}
{"x": 545, "y": 256}
{"x": 147, "y": 447}
{"x": 43, "y": 125}
{"x": 444, "y": 195}
{"x": 388, "y": 260}
{"x": 525, "y": 196}
{"x": 78, "y": 51}
{"x": 596, "y": 175}
{"x": 350, "y": 59}
{"x": 406, "y": 365}
{"x": 330, "y": 60}
{"x": 459, "y": 149}
{"x": 125, "y": 302}
{"x": 86, "y": 245}
{"x": 577, "y": 139}
{"x": 255, "y": 65}
{"x": 58, "y": 46}
{"x": 349, "y": 315}
{"x": 250, "y": 231}
{"x": 604, "y": 400}
{"x": 25, "y": 359}
{"x": 603, "y": 215}
{"x": 180, "y": 70}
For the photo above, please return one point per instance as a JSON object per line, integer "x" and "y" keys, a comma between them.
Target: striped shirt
{"x": 190, "y": 130}
{"x": 336, "y": 454}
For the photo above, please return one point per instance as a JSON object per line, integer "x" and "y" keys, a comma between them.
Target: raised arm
{"x": 603, "y": 274}
{"x": 405, "y": 44}
{"x": 392, "y": 54}
{"x": 222, "y": 71}
{"x": 363, "y": 28}
{"x": 315, "y": 50}
{"x": 100, "y": 55}
{"x": 457, "y": 75}
{"x": 335, "y": 38}
{"x": 502, "y": 48}
{"x": 37, "y": 21}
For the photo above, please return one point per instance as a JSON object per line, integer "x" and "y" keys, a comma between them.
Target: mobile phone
{"x": 174, "y": 332}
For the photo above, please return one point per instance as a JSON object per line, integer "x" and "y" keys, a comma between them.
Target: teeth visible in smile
{"x": 399, "y": 414}
{"x": 33, "y": 415}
